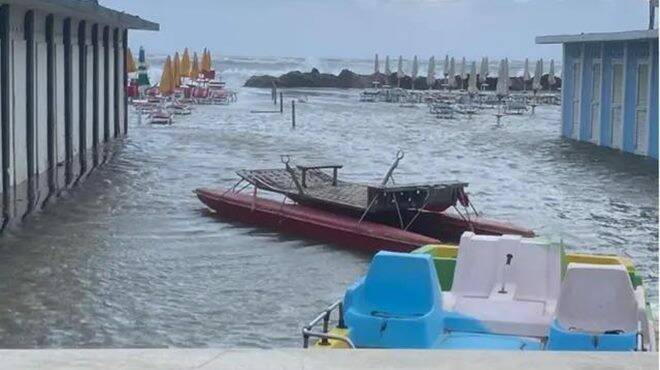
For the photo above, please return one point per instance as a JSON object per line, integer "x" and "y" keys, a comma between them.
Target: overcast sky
{"x": 360, "y": 28}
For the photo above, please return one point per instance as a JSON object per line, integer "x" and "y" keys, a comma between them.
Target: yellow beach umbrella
{"x": 194, "y": 70}
{"x": 185, "y": 64}
{"x": 130, "y": 62}
{"x": 166, "y": 85}
{"x": 177, "y": 70}
{"x": 206, "y": 61}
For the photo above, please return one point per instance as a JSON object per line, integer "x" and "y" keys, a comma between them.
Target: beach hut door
{"x": 577, "y": 91}
{"x": 617, "y": 101}
{"x": 595, "y": 103}
{"x": 641, "y": 121}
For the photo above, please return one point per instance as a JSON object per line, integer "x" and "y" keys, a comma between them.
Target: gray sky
{"x": 360, "y": 28}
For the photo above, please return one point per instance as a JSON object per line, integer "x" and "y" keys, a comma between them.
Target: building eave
{"x": 600, "y": 36}
{"x": 88, "y": 11}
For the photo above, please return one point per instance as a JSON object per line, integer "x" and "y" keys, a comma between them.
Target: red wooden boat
{"x": 368, "y": 217}
{"x": 310, "y": 222}
{"x": 340, "y": 229}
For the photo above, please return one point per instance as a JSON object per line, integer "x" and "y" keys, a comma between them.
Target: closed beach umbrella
{"x": 142, "y": 59}
{"x": 176, "y": 71}
{"x": 415, "y": 71}
{"x": 130, "y": 62}
{"x": 399, "y": 71}
{"x": 143, "y": 77}
{"x": 538, "y": 72}
{"x": 166, "y": 85}
{"x": 503, "y": 79}
{"x": 483, "y": 71}
{"x": 415, "y": 68}
{"x": 206, "y": 61}
{"x": 185, "y": 63}
{"x": 194, "y": 70}
{"x": 526, "y": 75}
{"x": 451, "y": 75}
{"x": 551, "y": 74}
{"x": 445, "y": 67}
{"x": 472, "y": 81}
{"x": 430, "y": 76}
{"x": 388, "y": 71}
{"x": 376, "y": 65}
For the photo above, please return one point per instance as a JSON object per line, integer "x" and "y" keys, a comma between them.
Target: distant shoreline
{"x": 351, "y": 80}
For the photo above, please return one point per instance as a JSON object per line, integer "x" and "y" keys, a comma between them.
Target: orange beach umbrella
{"x": 206, "y": 61}
{"x": 185, "y": 64}
{"x": 166, "y": 85}
{"x": 177, "y": 70}
{"x": 130, "y": 62}
{"x": 194, "y": 70}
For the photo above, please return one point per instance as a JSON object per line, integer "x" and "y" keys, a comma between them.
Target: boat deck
{"x": 318, "y": 185}
{"x": 311, "y": 185}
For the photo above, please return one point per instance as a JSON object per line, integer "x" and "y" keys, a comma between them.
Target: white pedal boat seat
{"x": 508, "y": 283}
{"x": 597, "y": 298}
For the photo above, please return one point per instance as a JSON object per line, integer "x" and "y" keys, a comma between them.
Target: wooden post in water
{"x": 281, "y": 103}
{"x": 273, "y": 93}
{"x": 293, "y": 114}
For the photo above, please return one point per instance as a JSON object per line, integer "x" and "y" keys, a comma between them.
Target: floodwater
{"x": 132, "y": 259}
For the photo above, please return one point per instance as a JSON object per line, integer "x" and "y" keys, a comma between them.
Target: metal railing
{"x": 325, "y": 336}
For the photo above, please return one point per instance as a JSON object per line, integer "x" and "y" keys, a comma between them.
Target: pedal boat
{"x": 491, "y": 293}
{"x": 319, "y": 206}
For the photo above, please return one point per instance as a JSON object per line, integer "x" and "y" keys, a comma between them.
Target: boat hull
{"x": 310, "y": 222}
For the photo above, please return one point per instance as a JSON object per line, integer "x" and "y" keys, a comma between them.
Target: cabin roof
{"x": 89, "y": 10}
{"x": 599, "y": 36}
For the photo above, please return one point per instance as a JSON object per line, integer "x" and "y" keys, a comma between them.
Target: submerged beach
{"x": 138, "y": 261}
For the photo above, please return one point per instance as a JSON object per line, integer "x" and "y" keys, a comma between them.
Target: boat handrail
{"x": 308, "y": 332}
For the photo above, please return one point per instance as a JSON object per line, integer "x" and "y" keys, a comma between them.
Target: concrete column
{"x": 68, "y": 99}
{"x": 125, "y": 75}
{"x": 72, "y": 100}
{"x": 30, "y": 103}
{"x": 89, "y": 120}
{"x": 110, "y": 87}
{"x": 121, "y": 83}
{"x": 59, "y": 98}
{"x": 117, "y": 80}
{"x": 97, "y": 83}
{"x": 41, "y": 108}
{"x": 85, "y": 97}
{"x": 106, "y": 98}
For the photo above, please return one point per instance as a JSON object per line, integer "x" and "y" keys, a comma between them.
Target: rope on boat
{"x": 364, "y": 214}
{"x": 398, "y": 211}
{"x": 234, "y": 187}
{"x": 466, "y": 218}
{"x": 419, "y": 211}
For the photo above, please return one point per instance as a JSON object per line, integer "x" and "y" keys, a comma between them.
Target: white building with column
{"x": 62, "y": 95}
